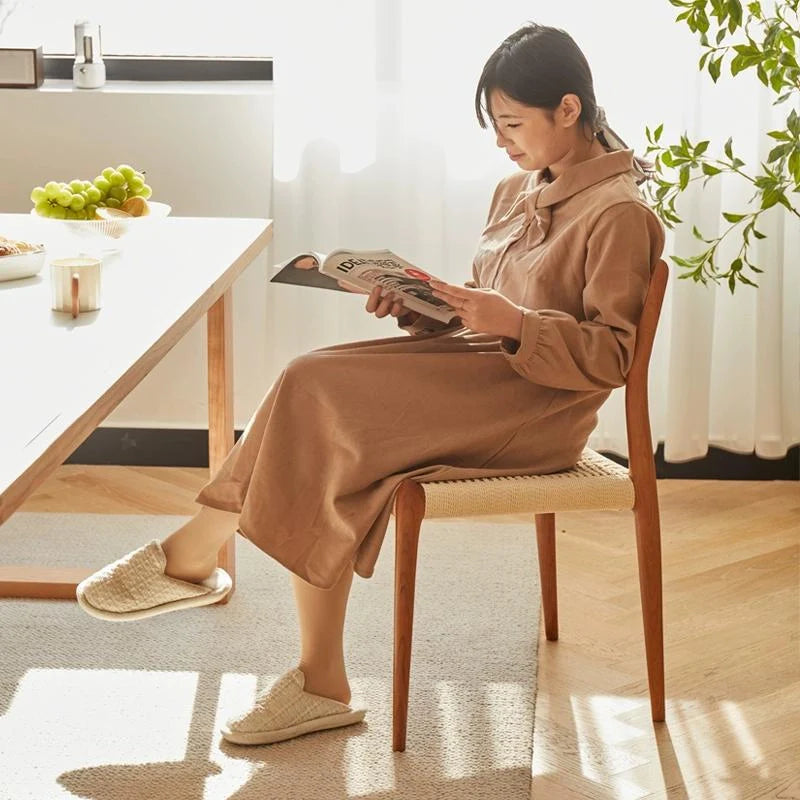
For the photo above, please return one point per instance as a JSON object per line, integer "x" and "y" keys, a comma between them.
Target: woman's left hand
{"x": 482, "y": 310}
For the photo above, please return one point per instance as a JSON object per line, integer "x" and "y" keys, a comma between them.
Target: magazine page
{"x": 369, "y": 268}
{"x": 303, "y": 270}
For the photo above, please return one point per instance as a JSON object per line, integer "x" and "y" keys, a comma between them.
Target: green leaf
{"x": 770, "y": 198}
{"x": 729, "y": 148}
{"x": 700, "y": 148}
{"x": 794, "y": 166}
{"x": 777, "y": 81}
{"x": 736, "y": 265}
{"x": 762, "y": 75}
{"x": 733, "y": 217}
{"x": 781, "y": 136}
{"x": 738, "y": 64}
{"x": 696, "y": 233}
{"x": 721, "y": 33}
{"x": 793, "y": 123}
{"x": 666, "y": 159}
{"x": 658, "y": 131}
{"x": 787, "y": 60}
{"x": 715, "y": 68}
{"x": 683, "y": 180}
{"x": 732, "y": 283}
{"x": 755, "y": 9}
{"x": 783, "y": 98}
{"x": 710, "y": 170}
{"x": 778, "y": 152}
{"x": 759, "y": 235}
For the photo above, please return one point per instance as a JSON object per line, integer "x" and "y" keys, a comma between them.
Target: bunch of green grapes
{"x": 80, "y": 199}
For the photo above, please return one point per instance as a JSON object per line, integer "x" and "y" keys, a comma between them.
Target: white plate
{"x": 113, "y": 228}
{"x": 22, "y": 265}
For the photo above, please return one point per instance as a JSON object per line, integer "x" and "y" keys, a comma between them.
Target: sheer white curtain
{"x": 376, "y": 145}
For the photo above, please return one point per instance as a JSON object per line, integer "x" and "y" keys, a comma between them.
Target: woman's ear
{"x": 569, "y": 111}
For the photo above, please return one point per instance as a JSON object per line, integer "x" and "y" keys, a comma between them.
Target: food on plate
{"x": 16, "y": 247}
{"x": 136, "y": 207}
{"x": 79, "y": 199}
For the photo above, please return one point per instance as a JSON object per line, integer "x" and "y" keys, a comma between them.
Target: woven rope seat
{"x": 594, "y": 483}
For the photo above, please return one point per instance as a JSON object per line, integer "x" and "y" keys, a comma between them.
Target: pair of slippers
{"x": 136, "y": 586}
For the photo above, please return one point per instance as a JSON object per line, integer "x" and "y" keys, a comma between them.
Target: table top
{"x": 55, "y": 369}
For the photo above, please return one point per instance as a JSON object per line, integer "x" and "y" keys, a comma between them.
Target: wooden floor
{"x": 732, "y": 611}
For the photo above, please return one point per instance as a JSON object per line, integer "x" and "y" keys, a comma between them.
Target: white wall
{"x": 207, "y": 150}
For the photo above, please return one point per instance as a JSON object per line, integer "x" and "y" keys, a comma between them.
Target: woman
{"x": 546, "y": 330}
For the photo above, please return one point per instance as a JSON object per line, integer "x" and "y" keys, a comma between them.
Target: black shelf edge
{"x": 167, "y": 68}
{"x": 168, "y": 447}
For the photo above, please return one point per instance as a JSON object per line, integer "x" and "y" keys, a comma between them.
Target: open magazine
{"x": 366, "y": 269}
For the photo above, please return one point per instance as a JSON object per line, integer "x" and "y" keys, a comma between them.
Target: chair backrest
{"x": 637, "y": 413}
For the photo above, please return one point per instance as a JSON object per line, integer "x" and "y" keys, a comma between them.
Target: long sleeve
{"x": 562, "y": 352}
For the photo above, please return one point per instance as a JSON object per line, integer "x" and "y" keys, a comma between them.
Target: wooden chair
{"x": 594, "y": 483}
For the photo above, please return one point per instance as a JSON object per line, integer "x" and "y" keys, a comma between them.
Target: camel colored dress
{"x": 315, "y": 472}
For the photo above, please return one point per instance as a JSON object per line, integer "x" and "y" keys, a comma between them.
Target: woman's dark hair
{"x": 536, "y": 66}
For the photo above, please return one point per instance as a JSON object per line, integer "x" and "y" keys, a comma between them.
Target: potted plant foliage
{"x": 766, "y": 41}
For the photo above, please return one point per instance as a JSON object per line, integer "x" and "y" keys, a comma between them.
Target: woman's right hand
{"x": 381, "y": 306}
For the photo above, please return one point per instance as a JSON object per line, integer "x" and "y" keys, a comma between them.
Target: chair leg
{"x": 546, "y": 546}
{"x": 648, "y": 546}
{"x": 409, "y": 512}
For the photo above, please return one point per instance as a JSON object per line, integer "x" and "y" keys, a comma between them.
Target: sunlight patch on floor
{"x": 237, "y": 692}
{"x": 601, "y": 741}
{"x": 744, "y": 736}
{"x": 456, "y": 761}
{"x": 63, "y": 719}
{"x": 504, "y": 701}
{"x": 369, "y": 771}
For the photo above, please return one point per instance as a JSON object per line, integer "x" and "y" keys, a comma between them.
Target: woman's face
{"x": 535, "y": 138}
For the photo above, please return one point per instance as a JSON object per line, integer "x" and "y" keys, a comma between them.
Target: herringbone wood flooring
{"x": 731, "y": 553}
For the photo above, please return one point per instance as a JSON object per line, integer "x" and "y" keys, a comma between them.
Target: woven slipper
{"x": 285, "y": 710}
{"x": 135, "y": 587}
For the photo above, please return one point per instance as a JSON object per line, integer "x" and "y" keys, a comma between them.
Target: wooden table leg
{"x": 220, "y": 405}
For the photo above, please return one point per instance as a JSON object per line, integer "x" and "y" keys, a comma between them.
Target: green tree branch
{"x": 770, "y": 47}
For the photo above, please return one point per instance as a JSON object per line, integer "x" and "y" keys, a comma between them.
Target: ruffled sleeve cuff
{"x": 520, "y": 353}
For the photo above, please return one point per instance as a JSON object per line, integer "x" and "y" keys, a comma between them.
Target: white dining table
{"x": 61, "y": 377}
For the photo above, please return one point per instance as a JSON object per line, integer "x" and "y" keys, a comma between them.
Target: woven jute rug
{"x": 113, "y": 711}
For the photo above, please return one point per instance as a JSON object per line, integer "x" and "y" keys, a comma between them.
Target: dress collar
{"x": 578, "y": 177}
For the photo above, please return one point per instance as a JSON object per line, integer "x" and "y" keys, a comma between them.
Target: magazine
{"x": 366, "y": 269}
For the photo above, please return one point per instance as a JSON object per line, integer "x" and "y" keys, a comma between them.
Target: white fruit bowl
{"x": 21, "y": 265}
{"x": 111, "y": 228}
